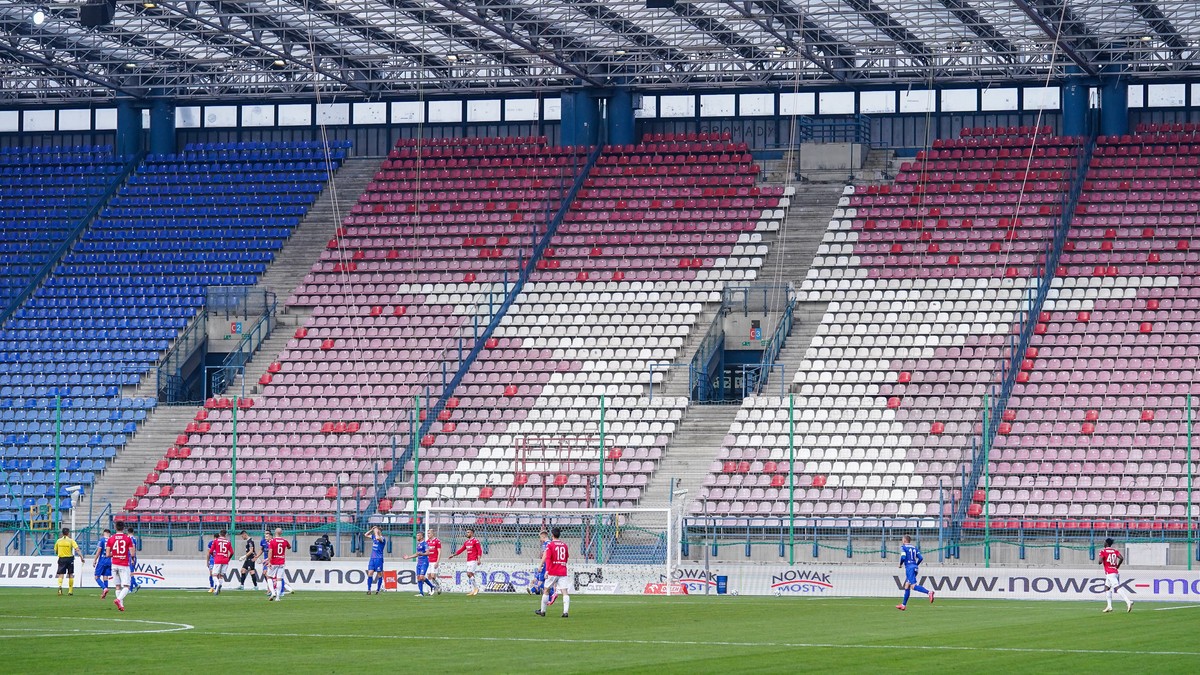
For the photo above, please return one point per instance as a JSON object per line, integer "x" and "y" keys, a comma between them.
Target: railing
{"x": 774, "y": 346}
{"x": 700, "y": 382}
{"x": 997, "y": 401}
{"x": 857, "y": 129}
{"x": 664, "y": 367}
{"x": 235, "y": 362}
{"x": 844, "y": 538}
{"x": 72, "y": 237}
{"x": 169, "y": 384}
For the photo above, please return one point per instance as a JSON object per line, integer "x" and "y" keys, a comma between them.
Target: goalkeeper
{"x": 539, "y": 574}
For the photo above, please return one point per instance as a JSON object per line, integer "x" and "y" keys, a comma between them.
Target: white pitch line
{"x": 1167, "y": 609}
{"x": 706, "y": 643}
{"x": 170, "y": 627}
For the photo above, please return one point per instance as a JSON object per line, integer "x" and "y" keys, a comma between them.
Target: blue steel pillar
{"x": 1075, "y": 105}
{"x": 129, "y": 128}
{"x": 162, "y": 127}
{"x": 580, "y": 123}
{"x": 620, "y": 118}
{"x": 1114, "y": 106}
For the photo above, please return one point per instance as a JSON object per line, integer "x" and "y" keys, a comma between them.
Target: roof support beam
{"x": 836, "y": 66}
{"x": 978, "y": 25}
{"x": 622, "y": 26}
{"x": 462, "y": 34}
{"x": 297, "y": 36}
{"x": 888, "y": 26}
{"x": 30, "y": 59}
{"x": 377, "y": 35}
{"x": 1063, "y": 19}
{"x": 521, "y": 42}
{"x": 1152, "y": 15}
{"x": 721, "y": 33}
{"x": 184, "y": 18}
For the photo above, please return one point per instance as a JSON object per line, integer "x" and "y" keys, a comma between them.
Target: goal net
{"x": 612, "y": 550}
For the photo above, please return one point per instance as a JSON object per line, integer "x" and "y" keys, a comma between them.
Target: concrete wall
{"x": 829, "y": 156}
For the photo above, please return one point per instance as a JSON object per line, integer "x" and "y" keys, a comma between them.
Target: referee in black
{"x": 247, "y": 562}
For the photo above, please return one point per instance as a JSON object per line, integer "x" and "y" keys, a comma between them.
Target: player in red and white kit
{"x": 119, "y": 547}
{"x": 1111, "y": 559}
{"x": 277, "y": 549}
{"x": 433, "y": 546}
{"x": 221, "y": 550}
{"x": 474, "y": 553}
{"x": 556, "y": 573}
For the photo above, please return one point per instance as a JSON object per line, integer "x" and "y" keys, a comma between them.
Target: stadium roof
{"x": 382, "y": 49}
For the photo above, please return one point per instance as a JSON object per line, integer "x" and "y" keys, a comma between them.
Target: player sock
{"x": 921, "y": 589}
{"x": 60, "y": 583}
{"x": 566, "y": 604}
{"x": 71, "y": 585}
{"x": 543, "y": 609}
{"x": 907, "y": 593}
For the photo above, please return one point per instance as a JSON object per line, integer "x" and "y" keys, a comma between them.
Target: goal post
{"x": 613, "y": 550}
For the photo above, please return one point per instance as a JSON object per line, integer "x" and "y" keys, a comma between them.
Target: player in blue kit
{"x": 422, "y": 556}
{"x": 103, "y": 564}
{"x": 375, "y": 563}
{"x": 539, "y": 575}
{"x": 134, "y": 584}
{"x": 910, "y": 560}
{"x": 211, "y": 585}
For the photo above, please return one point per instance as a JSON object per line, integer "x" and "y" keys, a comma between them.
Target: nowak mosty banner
{"x": 1157, "y": 584}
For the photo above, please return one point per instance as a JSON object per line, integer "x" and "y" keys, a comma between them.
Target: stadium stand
{"x": 406, "y": 283}
{"x": 925, "y": 281}
{"x": 656, "y": 232}
{"x": 411, "y": 262}
{"x": 1096, "y": 426}
{"x": 43, "y": 194}
{"x": 214, "y": 214}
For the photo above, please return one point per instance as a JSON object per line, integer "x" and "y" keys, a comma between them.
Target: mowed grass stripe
{"x": 347, "y": 632}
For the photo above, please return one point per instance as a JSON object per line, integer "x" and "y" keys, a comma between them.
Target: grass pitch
{"x": 239, "y": 631}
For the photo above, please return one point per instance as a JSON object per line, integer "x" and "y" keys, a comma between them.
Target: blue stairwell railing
{"x": 431, "y": 413}
{"x": 44, "y": 271}
{"x": 998, "y": 399}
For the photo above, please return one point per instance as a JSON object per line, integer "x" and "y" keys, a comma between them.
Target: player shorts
{"x": 219, "y": 569}
{"x": 66, "y": 565}
{"x": 274, "y": 571}
{"x": 375, "y": 565}
{"x": 1112, "y": 579}
{"x": 472, "y": 565}
{"x": 910, "y": 574}
{"x": 422, "y": 569}
{"x": 248, "y": 565}
{"x": 433, "y": 567}
{"x": 121, "y": 575}
{"x": 104, "y": 569}
{"x": 559, "y": 583}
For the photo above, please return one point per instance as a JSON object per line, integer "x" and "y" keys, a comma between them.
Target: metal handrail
{"x": 169, "y": 378}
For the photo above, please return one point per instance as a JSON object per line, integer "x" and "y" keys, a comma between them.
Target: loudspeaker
{"x": 97, "y": 13}
{"x": 660, "y": 4}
